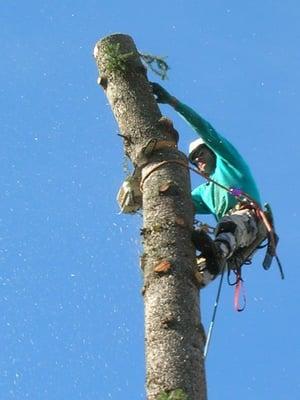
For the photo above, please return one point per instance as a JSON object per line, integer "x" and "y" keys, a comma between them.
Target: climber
{"x": 218, "y": 161}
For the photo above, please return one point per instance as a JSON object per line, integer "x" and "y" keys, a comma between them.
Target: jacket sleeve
{"x": 212, "y": 139}
{"x": 199, "y": 205}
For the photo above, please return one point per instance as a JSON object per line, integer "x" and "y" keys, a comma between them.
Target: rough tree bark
{"x": 174, "y": 334}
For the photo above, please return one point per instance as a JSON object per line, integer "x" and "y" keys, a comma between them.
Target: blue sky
{"x": 71, "y": 323}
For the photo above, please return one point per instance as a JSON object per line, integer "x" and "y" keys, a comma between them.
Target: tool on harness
{"x": 271, "y": 249}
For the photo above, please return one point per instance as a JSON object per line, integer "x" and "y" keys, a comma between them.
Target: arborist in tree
{"x": 223, "y": 167}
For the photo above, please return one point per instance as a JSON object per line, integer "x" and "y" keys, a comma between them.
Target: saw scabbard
{"x": 129, "y": 196}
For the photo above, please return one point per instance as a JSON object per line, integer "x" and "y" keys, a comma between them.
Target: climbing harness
{"x": 250, "y": 203}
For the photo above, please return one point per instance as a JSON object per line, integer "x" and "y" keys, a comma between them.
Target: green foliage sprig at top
{"x": 116, "y": 61}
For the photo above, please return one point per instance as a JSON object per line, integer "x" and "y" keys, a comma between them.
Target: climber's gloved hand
{"x": 162, "y": 96}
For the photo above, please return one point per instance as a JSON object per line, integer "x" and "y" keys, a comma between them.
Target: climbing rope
{"x": 156, "y": 166}
{"x": 157, "y": 64}
{"x": 215, "y": 309}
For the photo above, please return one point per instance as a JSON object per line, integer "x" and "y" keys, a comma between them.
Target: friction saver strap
{"x": 155, "y": 166}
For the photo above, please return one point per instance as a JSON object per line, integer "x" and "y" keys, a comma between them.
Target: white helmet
{"x": 194, "y": 146}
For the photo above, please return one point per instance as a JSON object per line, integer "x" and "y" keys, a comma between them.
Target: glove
{"x": 162, "y": 96}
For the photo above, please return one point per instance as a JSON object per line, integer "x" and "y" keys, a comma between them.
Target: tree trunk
{"x": 174, "y": 334}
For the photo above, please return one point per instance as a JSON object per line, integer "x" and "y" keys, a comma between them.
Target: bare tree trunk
{"x": 174, "y": 334}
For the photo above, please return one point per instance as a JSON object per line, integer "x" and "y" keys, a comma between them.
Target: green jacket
{"x": 231, "y": 170}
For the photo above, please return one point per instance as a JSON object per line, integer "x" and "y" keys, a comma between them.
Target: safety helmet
{"x": 194, "y": 146}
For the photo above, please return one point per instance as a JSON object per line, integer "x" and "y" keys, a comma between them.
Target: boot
{"x": 202, "y": 275}
{"x": 212, "y": 258}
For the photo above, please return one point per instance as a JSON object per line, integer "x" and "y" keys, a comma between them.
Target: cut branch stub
{"x": 166, "y": 125}
{"x": 180, "y": 221}
{"x": 163, "y": 266}
{"x": 169, "y": 188}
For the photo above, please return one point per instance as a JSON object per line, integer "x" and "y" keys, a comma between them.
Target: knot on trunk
{"x": 166, "y": 126}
